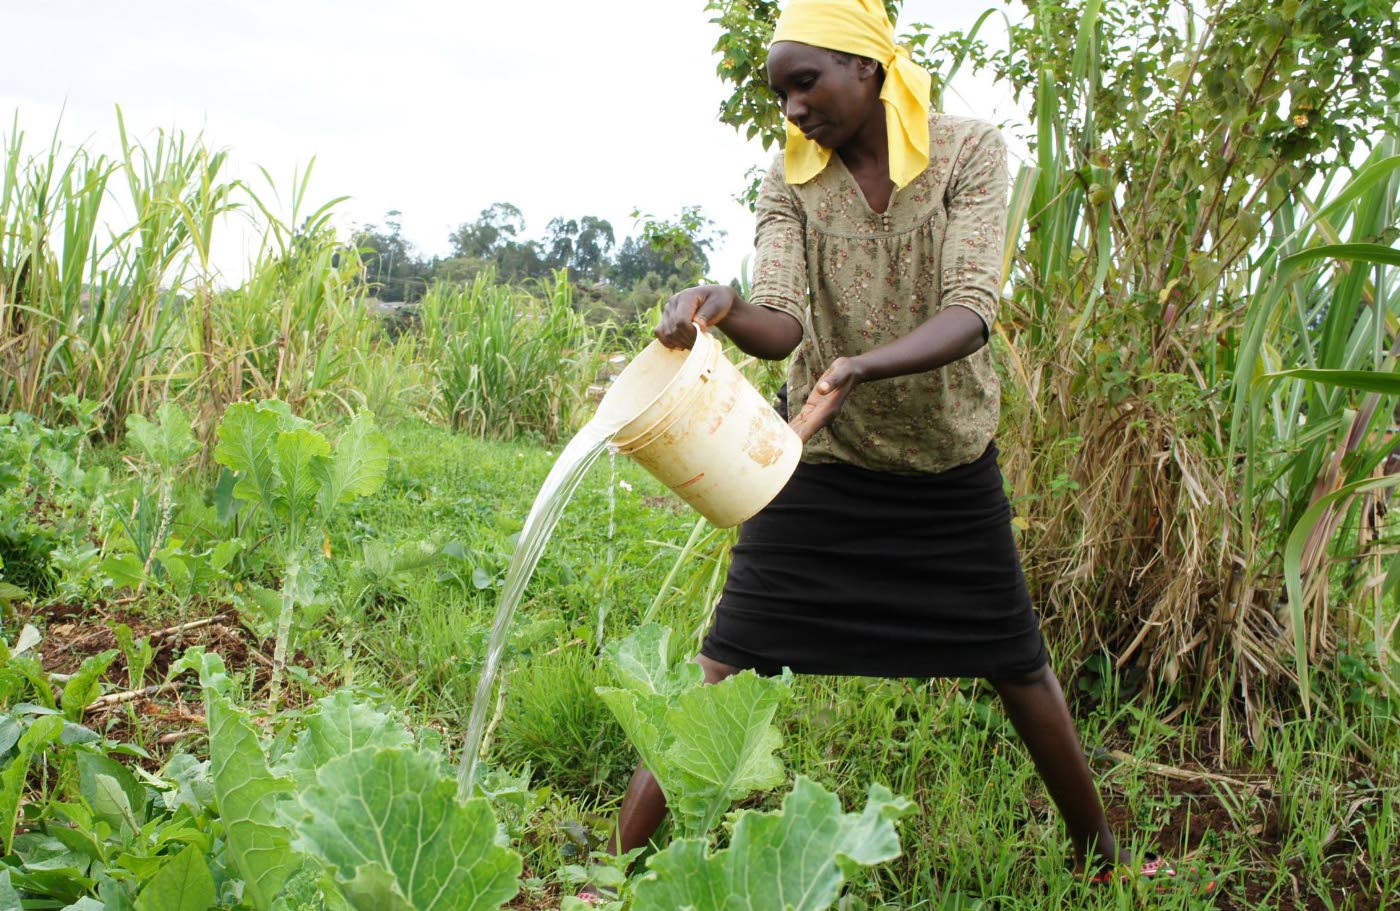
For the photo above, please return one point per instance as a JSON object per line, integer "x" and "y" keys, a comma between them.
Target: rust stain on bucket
{"x": 718, "y": 411}
{"x": 691, "y": 481}
{"x": 764, "y": 443}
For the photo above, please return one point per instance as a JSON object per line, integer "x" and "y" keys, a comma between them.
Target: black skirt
{"x": 857, "y": 572}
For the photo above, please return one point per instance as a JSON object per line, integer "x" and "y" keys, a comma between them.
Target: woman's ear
{"x": 867, "y": 68}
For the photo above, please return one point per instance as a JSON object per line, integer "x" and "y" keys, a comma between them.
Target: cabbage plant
{"x": 794, "y": 859}
{"x": 708, "y": 746}
{"x": 292, "y": 475}
{"x": 355, "y": 815}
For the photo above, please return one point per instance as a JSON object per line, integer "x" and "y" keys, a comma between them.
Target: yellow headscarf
{"x": 861, "y": 27}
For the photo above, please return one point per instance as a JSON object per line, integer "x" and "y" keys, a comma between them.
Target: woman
{"x": 878, "y": 266}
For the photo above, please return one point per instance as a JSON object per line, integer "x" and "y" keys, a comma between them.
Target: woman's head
{"x": 828, "y": 95}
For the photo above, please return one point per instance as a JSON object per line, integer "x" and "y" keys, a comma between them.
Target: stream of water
{"x": 559, "y": 486}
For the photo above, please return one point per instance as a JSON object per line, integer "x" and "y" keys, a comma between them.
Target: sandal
{"x": 596, "y": 895}
{"x": 1154, "y": 866}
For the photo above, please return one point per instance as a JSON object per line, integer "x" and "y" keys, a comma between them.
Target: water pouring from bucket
{"x": 693, "y": 421}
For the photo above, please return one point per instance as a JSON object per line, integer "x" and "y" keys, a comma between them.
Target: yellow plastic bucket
{"x": 702, "y": 429}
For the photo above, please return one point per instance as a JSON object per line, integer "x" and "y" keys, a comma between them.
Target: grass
{"x": 473, "y": 495}
{"x": 508, "y": 362}
{"x": 1303, "y": 815}
{"x": 1305, "y": 818}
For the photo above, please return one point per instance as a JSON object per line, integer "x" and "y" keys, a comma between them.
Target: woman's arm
{"x": 769, "y": 324}
{"x": 950, "y": 335}
{"x": 757, "y": 330}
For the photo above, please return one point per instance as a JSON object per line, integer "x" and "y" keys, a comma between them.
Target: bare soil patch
{"x": 152, "y": 714}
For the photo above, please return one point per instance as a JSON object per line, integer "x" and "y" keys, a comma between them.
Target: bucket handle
{"x": 709, "y": 369}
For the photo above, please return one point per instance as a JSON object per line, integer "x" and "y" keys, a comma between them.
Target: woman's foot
{"x": 1100, "y": 862}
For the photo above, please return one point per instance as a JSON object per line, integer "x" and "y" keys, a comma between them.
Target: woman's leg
{"x": 1036, "y": 705}
{"x": 644, "y": 806}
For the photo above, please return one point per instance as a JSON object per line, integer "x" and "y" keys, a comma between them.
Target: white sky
{"x": 434, "y": 108}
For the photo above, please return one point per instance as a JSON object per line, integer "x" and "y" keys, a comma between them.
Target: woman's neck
{"x": 869, "y": 148}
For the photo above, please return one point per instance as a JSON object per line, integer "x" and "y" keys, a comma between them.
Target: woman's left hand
{"x": 827, "y": 397}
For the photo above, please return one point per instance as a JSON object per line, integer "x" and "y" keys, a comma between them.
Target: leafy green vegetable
{"x": 259, "y": 846}
{"x": 111, "y": 791}
{"x": 10, "y": 731}
{"x": 359, "y": 466}
{"x": 83, "y": 687}
{"x": 390, "y": 824}
{"x": 708, "y": 746}
{"x": 183, "y": 884}
{"x": 43, "y": 731}
{"x": 340, "y": 726}
{"x": 289, "y": 470}
{"x": 302, "y": 459}
{"x": 112, "y": 804}
{"x": 191, "y": 573}
{"x": 794, "y": 859}
{"x": 354, "y": 816}
{"x": 643, "y": 663}
{"x": 724, "y": 745}
{"x": 292, "y": 475}
{"x": 190, "y": 784}
{"x": 21, "y": 676}
{"x": 124, "y": 570}
{"x": 167, "y": 442}
{"x": 246, "y": 436}
{"x": 384, "y": 816}
{"x": 9, "y": 898}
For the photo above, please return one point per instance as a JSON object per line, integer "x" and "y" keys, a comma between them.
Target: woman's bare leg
{"x": 644, "y": 806}
{"x": 1037, "y": 709}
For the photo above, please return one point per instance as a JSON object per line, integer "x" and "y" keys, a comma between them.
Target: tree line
{"x": 622, "y": 279}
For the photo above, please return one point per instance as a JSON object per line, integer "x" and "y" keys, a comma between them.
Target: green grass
{"x": 986, "y": 830}
{"x": 1286, "y": 811}
{"x": 472, "y": 497}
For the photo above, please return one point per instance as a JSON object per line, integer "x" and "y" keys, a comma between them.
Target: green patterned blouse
{"x": 856, "y": 279}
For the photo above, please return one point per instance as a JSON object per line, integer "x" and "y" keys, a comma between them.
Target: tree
{"x": 678, "y": 248}
{"x": 581, "y": 246}
{"x": 636, "y": 259}
{"x": 391, "y": 266}
{"x": 518, "y": 260}
{"x": 498, "y": 225}
{"x": 494, "y": 241}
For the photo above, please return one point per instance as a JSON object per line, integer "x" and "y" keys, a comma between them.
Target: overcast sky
{"x": 437, "y": 109}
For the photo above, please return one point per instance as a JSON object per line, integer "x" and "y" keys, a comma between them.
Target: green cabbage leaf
{"x": 794, "y": 859}
{"x": 708, "y": 746}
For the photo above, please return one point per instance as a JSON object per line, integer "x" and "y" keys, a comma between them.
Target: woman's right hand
{"x": 705, "y": 305}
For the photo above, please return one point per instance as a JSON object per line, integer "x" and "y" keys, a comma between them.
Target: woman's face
{"x": 828, "y": 96}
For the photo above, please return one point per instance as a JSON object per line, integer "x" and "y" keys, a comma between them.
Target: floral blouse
{"x": 856, "y": 279}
